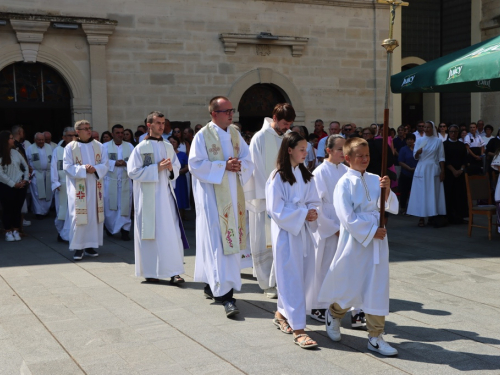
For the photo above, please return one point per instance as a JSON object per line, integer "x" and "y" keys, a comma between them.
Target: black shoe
{"x": 176, "y": 280}
{"x": 152, "y": 280}
{"x": 91, "y": 252}
{"x": 60, "y": 239}
{"x": 78, "y": 255}
{"x": 207, "y": 292}
{"x": 230, "y": 308}
{"x": 318, "y": 314}
{"x": 358, "y": 320}
{"x": 125, "y": 236}
{"x": 108, "y": 232}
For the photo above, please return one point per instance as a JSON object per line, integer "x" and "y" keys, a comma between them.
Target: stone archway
{"x": 36, "y": 96}
{"x": 268, "y": 76}
{"x": 426, "y": 106}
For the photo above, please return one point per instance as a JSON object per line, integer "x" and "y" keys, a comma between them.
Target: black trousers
{"x": 455, "y": 192}
{"x": 226, "y": 297}
{"x": 404, "y": 187}
{"x": 12, "y": 200}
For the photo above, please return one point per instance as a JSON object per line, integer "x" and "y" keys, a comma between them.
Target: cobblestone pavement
{"x": 58, "y": 316}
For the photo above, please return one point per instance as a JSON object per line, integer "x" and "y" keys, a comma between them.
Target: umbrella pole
{"x": 390, "y": 45}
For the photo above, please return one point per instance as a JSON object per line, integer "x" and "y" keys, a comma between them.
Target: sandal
{"x": 283, "y": 325}
{"x": 303, "y": 344}
{"x": 421, "y": 223}
{"x": 176, "y": 280}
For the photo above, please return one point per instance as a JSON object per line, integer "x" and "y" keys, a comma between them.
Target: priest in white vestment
{"x": 220, "y": 164}
{"x": 48, "y": 140}
{"x": 58, "y": 178}
{"x": 159, "y": 239}
{"x": 118, "y": 186}
{"x": 39, "y": 156}
{"x": 264, "y": 148}
{"x": 85, "y": 164}
{"x": 427, "y": 191}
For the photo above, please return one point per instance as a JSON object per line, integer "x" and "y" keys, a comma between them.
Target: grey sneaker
{"x": 332, "y": 326}
{"x": 378, "y": 344}
{"x": 271, "y": 293}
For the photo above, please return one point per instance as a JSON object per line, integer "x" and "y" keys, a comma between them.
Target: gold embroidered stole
{"x": 63, "y": 193}
{"x": 43, "y": 182}
{"x": 148, "y": 189}
{"x": 80, "y": 186}
{"x": 113, "y": 179}
{"x": 233, "y": 234}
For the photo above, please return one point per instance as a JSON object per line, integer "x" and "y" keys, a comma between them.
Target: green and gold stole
{"x": 113, "y": 180}
{"x": 43, "y": 182}
{"x": 63, "y": 193}
{"x": 80, "y": 183}
{"x": 148, "y": 193}
{"x": 234, "y": 236}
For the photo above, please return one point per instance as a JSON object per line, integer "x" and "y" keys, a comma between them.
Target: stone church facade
{"x": 122, "y": 60}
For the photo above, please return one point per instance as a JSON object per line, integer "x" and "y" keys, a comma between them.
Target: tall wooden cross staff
{"x": 390, "y": 45}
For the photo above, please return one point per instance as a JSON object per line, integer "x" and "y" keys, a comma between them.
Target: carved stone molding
{"x": 29, "y": 35}
{"x": 263, "y": 49}
{"x": 336, "y": 3}
{"x": 231, "y": 41}
{"x": 98, "y": 34}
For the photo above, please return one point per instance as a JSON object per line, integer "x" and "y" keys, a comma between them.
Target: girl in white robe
{"x": 326, "y": 177}
{"x": 292, "y": 203}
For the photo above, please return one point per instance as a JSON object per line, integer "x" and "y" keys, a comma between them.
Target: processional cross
{"x": 390, "y": 45}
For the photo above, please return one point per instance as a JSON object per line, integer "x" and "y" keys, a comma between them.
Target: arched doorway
{"x": 35, "y": 96}
{"x": 258, "y": 102}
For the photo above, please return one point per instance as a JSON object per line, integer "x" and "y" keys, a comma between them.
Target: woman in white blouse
{"x": 14, "y": 177}
{"x": 475, "y": 150}
{"x": 443, "y": 131}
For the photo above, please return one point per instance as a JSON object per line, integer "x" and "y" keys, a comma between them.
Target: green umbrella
{"x": 472, "y": 69}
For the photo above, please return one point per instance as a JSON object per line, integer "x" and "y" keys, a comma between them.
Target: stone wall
{"x": 167, "y": 55}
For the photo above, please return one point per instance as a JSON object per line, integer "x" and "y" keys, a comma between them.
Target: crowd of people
{"x": 303, "y": 208}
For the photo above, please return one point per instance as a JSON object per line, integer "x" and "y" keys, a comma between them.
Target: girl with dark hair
{"x": 106, "y": 137}
{"x": 475, "y": 150}
{"x": 128, "y": 136}
{"x": 183, "y": 145}
{"x": 292, "y": 202}
{"x": 14, "y": 177}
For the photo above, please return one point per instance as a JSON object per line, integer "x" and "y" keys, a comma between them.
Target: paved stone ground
{"x": 58, "y": 316}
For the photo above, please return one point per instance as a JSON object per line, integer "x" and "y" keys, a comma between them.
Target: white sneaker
{"x": 16, "y": 235}
{"x": 271, "y": 293}
{"x": 9, "y": 237}
{"x": 378, "y": 344}
{"x": 26, "y": 223}
{"x": 332, "y": 326}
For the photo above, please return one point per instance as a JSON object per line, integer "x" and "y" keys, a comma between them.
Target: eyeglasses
{"x": 442, "y": 126}
{"x": 176, "y": 131}
{"x": 227, "y": 111}
{"x": 86, "y": 129}
{"x": 453, "y": 131}
{"x": 347, "y": 129}
{"x": 71, "y": 135}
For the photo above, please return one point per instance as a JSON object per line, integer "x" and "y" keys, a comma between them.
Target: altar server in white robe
{"x": 159, "y": 238}
{"x": 118, "y": 186}
{"x": 326, "y": 177}
{"x": 85, "y": 164}
{"x": 58, "y": 177}
{"x": 220, "y": 164}
{"x": 39, "y": 157}
{"x": 292, "y": 202}
{"x": 427, "y": 191}
{"x": 264, "y": 148}
{"x": 359, "y": 273}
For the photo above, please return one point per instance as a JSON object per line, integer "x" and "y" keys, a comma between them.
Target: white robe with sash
{"x": 114, "y": 221}
{"x": 40, "y": 206}
{"x": 427, "y": 191}
{"x": 264, "y": 149}
{"x": 56, "y": 165}
{"x": 359, "y": 273}
{"x": 326, "y": 177}
{"x": 88, "y": 235}
{"x": 163, "y": 256}
{"x": 293, "y": 244}
{"x": 221, "y": 272}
